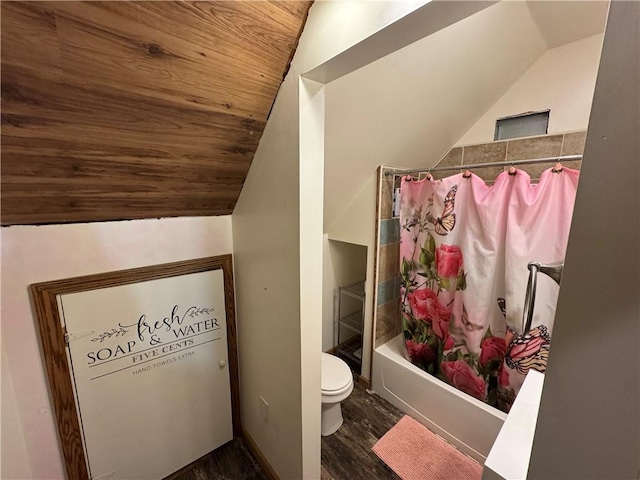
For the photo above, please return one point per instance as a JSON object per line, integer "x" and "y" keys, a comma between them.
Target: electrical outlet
{"x": 264, "y": 410}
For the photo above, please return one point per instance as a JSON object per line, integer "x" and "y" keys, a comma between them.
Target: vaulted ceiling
{"x": 124, "y": 110}
{"x": 562, "y": 22}
{"x": 409, "y": 108}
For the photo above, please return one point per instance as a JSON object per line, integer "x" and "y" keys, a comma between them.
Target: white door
{"x": 151, "y": 376}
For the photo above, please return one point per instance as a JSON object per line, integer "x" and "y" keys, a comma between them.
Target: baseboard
{"x": 364, "y": 382}
{"x": 262, "y": 460}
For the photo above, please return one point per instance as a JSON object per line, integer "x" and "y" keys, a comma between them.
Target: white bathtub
{"x": 465, "y": 422}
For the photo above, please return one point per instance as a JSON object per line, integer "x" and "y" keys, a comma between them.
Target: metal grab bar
{"x": 553, "y": 270}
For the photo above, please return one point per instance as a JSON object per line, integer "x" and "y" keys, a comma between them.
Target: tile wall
{"x": 387, "y": 269}
{"x": 516, "y": 149}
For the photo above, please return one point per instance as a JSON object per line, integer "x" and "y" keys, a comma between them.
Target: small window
{"x": 523, "y": 125}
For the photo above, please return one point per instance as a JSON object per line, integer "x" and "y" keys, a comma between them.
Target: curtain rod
{"x": 480, "y": 165}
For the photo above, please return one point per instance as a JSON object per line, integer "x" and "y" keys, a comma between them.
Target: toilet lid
{"x": 335, "y": 373}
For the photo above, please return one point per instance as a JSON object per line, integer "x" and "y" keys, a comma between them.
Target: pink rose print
{"x": 441, "y": 328}
{"x": 461, "y": 376}
{"x": 493, "y": 348}
{"x": 420, "y": 352}
{"x": 448, "y": 261}
{"x": 426, "y": 306}
{"x": 448, "y": 344}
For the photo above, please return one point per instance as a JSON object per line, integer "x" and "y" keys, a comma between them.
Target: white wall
{"x": 589, "y": 418}
{"x": 408, "y": 108}
{"x": 335, "y": 26}
{"x": 280, "y": 344}
{"x": 343, "y": 264}
{"x": 14, "y": 462}
{"x": 562, "y": 80}
{"x": 266, "y": 228}
{"x": 35, "y": 254}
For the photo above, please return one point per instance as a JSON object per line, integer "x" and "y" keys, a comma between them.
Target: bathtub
{"x": 467, "y": 423}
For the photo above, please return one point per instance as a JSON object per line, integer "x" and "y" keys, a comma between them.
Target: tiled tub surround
{"x": 387, "y": 266}
{"x": 387, "y": 295}
{"x": 515, "y": 149}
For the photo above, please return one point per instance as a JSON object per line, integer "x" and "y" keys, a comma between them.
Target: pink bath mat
{"x": 415, "y": 453}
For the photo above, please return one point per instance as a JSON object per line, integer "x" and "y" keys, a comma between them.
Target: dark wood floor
{"x": 346, "y": 455}
{"x": 232, "y": 461}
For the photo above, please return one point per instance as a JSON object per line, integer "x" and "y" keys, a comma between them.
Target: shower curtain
{"x": 464, "y": 252}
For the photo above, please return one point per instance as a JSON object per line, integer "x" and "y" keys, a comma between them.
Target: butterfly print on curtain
{"x": 430, "y": 279}
{"x": 463, "y": 244}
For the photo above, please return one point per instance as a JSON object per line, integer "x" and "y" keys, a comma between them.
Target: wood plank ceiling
{"x": 124, "y": 110}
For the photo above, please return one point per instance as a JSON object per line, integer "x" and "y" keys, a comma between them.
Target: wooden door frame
{"x": 52, "y": 336}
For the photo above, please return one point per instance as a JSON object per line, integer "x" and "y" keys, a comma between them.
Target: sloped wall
{"x": 272, "y": 280}
{"x": 393, "y": 113}
{"x": 409, "y": 108}
{"x": 562, "y": 80}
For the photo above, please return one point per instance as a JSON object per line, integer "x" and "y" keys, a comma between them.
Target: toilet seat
{"x": 336, "y": 376}
{"x": 335, "y": 393}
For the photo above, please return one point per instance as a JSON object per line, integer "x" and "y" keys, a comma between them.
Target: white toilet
{"x": 337, "y": 384}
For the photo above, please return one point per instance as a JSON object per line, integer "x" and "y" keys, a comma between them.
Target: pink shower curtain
{"x": 464, "y": 252}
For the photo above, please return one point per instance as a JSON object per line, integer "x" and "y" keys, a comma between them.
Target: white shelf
{"x": 351, "y": 348}
{"x": 353, "y": 322}
{"x": 355, "y": 290}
